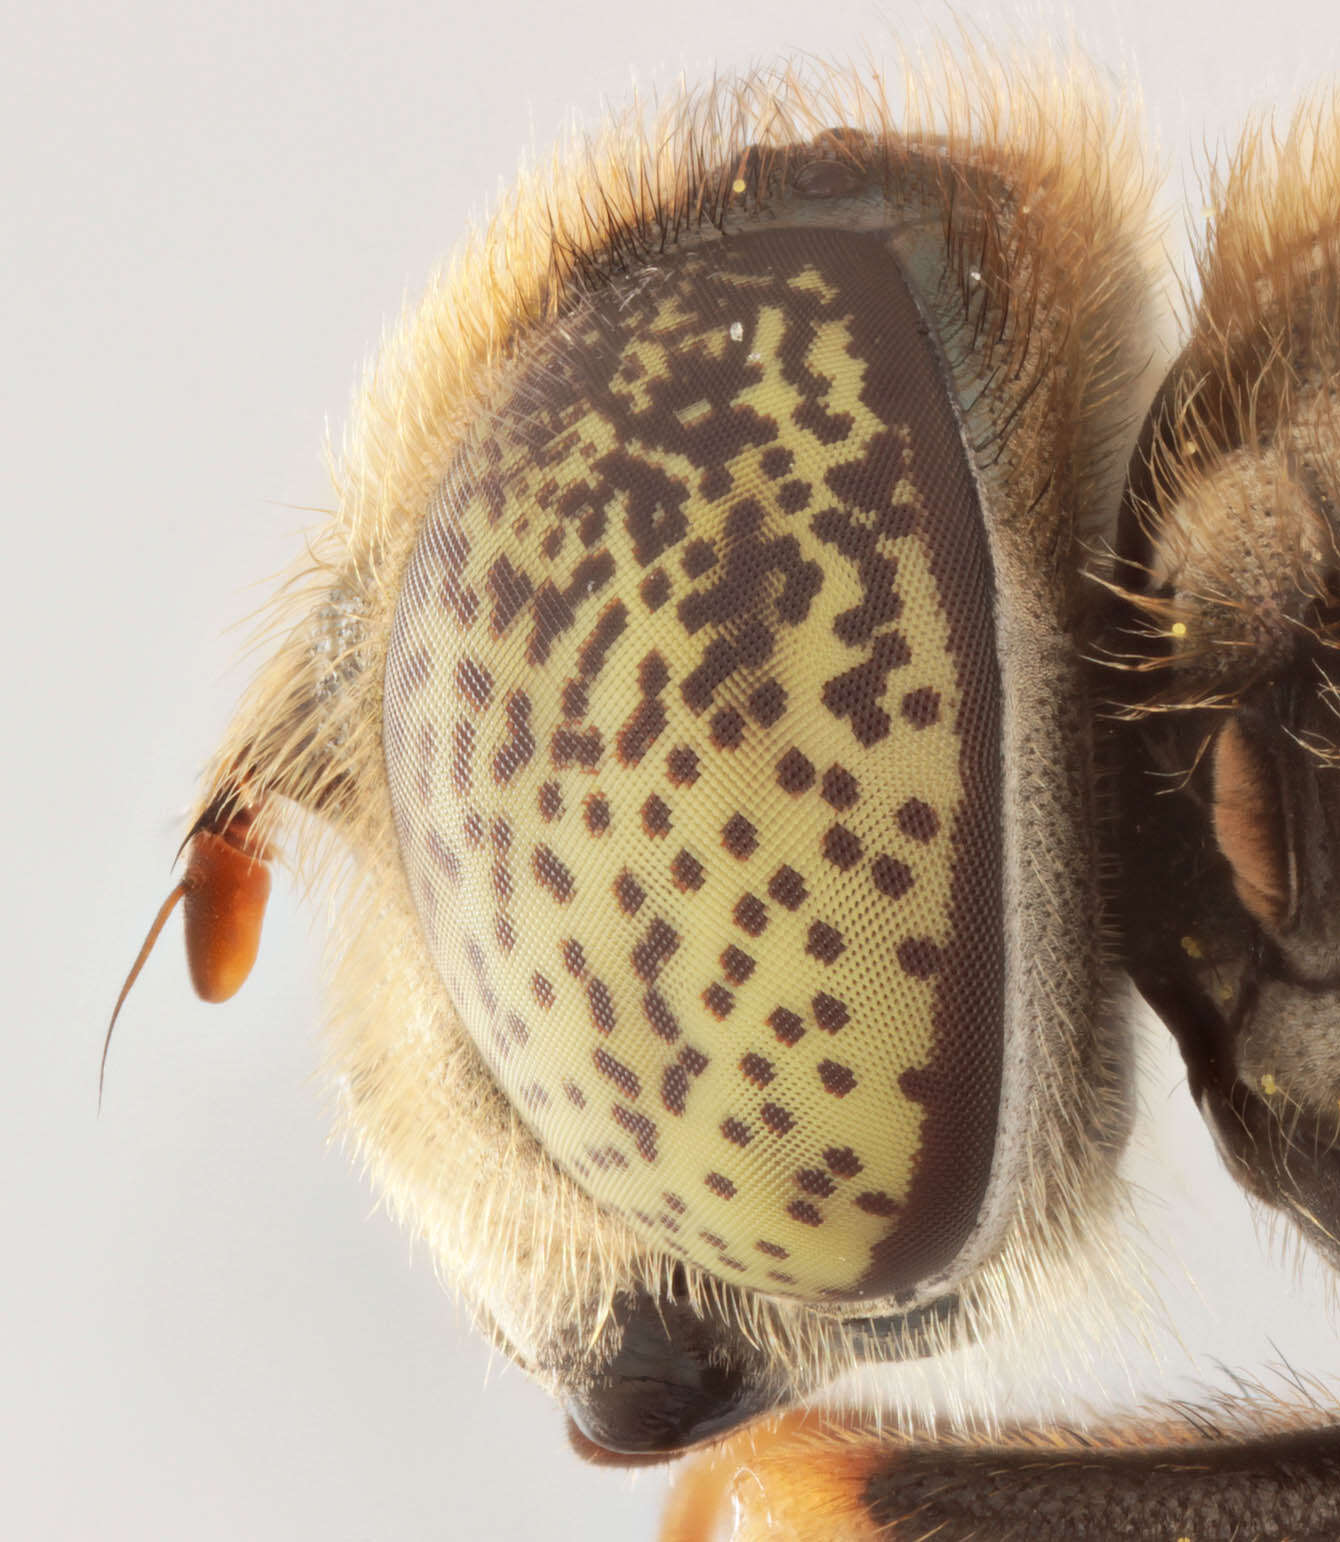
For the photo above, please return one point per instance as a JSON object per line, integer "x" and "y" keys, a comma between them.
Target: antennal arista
{"x": 225, "y": 888}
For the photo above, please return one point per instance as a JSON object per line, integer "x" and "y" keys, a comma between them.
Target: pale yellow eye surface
{"x": 692, "y": 730}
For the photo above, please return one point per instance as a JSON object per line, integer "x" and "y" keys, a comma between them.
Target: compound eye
{"x": 692, "y": 724}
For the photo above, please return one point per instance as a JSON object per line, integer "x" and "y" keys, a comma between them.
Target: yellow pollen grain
{"x": 1192, "y": 948}
{"x": 738, "y": 186}
{"x": 1179, "y": 628}
{"x": 1269, "y": 1085}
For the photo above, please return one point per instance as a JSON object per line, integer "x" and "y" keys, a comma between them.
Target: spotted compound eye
{"x": 692, "y": 730}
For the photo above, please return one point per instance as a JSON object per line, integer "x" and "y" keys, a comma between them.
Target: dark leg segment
{"x": 1284, "y": 1488}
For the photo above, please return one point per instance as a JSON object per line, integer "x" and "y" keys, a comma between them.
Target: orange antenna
{"x": 226, "y": 885}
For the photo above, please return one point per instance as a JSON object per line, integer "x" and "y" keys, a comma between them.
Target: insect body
{"x": 700, "y": 668}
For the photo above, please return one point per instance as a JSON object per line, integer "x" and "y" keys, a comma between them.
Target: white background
{"x": 206, "y": 1328}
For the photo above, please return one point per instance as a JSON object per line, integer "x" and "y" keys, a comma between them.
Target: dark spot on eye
{"x": 574, "y": 957}
{"x": 727, "y": 729}
{"x": 648, "y": 719}
{"x": 824, "y": 942}
{"x": 674, "y": 1202}
{"x": 919, "y": 957}
{"x": 787, "y": 887}
{"x": 674, "y": 1089}
{"x": 794, "y": 772}
{"x": 837, "y": 1079}
{"x": 776, "y": 462}
{"x": 802, "y": 1210}
{"x": 681, "y": 766}
{"x": 474, "y": 682}
{"x": 815, "y": 1181}
{"x": 891, "y": 876}
{"x": 661, "y": 1020}
{"x": 792, "y": 497}
{"x": 505, "y": 933}
{"x": 642, "y": 1129}
{"x": 568, "y": 748}
{"x": 736, "y": 965}
{"x": 827, "y": 427}
{"x": 877, "y": 1202}
{"x": 718, "y": 1001}
{"x": 714, "y": 483}
{"x": 781, "y": 1121}
{"x": 736, "y": 1132}
{"x": 739, "y": 837}
{"x": 551, "y": 802}
{"x": 751, "y": 915}
{"x": 830, "y": 1013}
{"x": 840, "y": 787}
{"x": 444, "y": 858}
{"x": 773, "y": 1249}
{"x": 842, "y": 847}
{"x": 472, "y": 827}
{"x": 409, "y": 674}
{"x": 843, "y": 1161}
{"x": 602, "y": 1005}
{"x": 551, "y": 874}
{"x": 542, "y": 990}
{"x": 623, "y": 1077}
{"x": 510, "y": 589}
{"x": 574, "y": 1094}
{"x": 674, "y": 1083}
{"x": 698, "y": 558}
{"x": 918, "y": 820}
{"x": 689, "y": 874}
{"x": 757, "y": 1069}
{"x": 786, "y": 1025}
{"x": 655, "y": 590}
{"x": 657, "y": 945}
{"x": 721, "y": 1186}
{"x": 767, "y": 704}
{"x": 656, "y": 816}
{"x": 462, "y": 757}
{"x": 921, "y": 708}
{"x": 597, "y": 812}
{"x": 520, "y": 747}
{"x": 629, "y": 893}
